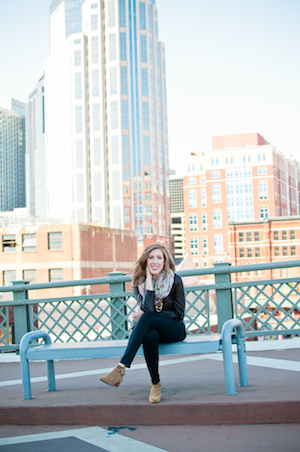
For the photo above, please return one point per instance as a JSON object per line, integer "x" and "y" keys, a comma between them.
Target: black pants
{"x": 152, "y": 328}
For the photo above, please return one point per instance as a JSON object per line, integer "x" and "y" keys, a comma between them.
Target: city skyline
{"x": 234, "y": 73}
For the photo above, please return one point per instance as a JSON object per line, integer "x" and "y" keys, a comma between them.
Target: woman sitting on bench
{"x": 160, "y": 294}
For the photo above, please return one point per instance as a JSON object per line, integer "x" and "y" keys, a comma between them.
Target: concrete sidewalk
{"x": 193, "y": 391}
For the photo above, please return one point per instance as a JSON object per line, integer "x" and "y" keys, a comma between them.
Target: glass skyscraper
{"x": 12, "y": 154}
{"x": 106, "y": 117}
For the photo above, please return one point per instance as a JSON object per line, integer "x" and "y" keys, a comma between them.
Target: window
{"x": 284, "y": 250}
{"x": 114, "y": 124}
{"x": 145, "y": 116}
{"x": 292, "y": 235}
{"x": 144, "y": 81}
{"x": 217, "y": 218}
{"x": 276, "y": 235}
{"x": 192, "y": 199}
{"x": 125, "y": 119}
{"x": 264, "y": 212}
{"x": 284, "y": 235}
{"x": 249, "y": 236}
{"x": 203, "y": 197}
{"x": 28, "y": 242}
{"x": 215, "y": 174}
{"x": 216, "y": 193}
{"x": 123, "y": 80}
{"x": 256, "y": 236}
{"x": 205, "y": 246}
{"x": 293, "y": 250}
{"x": 194, "y": 246}
{"x": 54, "y": 241}
{"x": 142, "y": 16}
{"x": 95, "y": 49}
{"x": 249, "y": 252}
{"x": 122, "y": 15}
{"x": 149, "y": 211}
{"x": 262, "y": 170}
{"x": 9, "y": 243}
{"x": 112, "y": 47}
{"x": 242, "y": 252}
{"x": 202, "y": 179}
{"x": 111, "y": 13}
{"x": 241, "y": 236}
{"x": 263, "y": 189}
{"x": 218, "y": 243}
{"x": 78, "y": 119}
{"x": 94, "y": 22}
{"x": 55, "y": 274}
{"x": 204, "y": 221}
{"x": 77, "y": 57}
{"x": 95, "y": 84}
{"x": 29, "y": 275}
{"x": 276, "y": 251}
{"x": 8, "y": 277}
{"x": 143, "y": 49}
{"x": 123, "y": 46}
{"x": 257, "y": 252}
{"x": 193, "y": 222}
{"x": 191, "y": 180}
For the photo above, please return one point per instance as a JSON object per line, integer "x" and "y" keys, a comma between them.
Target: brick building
{"x": 48, "y": 253}
{"x": 243, "y": 178}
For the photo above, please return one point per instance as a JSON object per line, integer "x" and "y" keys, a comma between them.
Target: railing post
{"x": 21, "y": 310}
{"x": 118, "y": 310}
{"x": 223, "y": 295}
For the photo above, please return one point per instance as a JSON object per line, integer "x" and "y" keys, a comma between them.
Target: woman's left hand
{"x": 137, "y": 315}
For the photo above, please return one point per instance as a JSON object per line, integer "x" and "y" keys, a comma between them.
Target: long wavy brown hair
{"x": 139, "y": 269}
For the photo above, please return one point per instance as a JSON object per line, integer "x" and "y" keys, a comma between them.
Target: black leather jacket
{"x": 173, "y": 304}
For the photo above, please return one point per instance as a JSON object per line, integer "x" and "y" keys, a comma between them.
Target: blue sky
{"x": 232, "y": 67}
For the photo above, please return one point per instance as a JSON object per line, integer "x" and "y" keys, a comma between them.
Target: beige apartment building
{"x": 243, "y": 178}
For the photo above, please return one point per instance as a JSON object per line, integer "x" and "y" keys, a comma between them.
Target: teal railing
{"x": 267, "y": 308}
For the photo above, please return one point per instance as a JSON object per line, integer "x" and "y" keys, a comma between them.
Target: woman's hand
{"x": 137, "y": 315}
{"x": 149, "y": 285}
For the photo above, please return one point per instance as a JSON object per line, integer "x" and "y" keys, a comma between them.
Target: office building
{"x": 242, "y": 178}
{"x": 35, "y": 152}
{"x": 106, "y": 116}
{"x": 177, "y": 215}
{"x": 12, "y": 154}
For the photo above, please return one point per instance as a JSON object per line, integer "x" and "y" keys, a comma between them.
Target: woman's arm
{"x": 178, "y": 297}
{"x": 146, "y": 303}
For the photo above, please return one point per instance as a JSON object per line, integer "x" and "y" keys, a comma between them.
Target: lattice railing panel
{"x": 268, "y": 307}
{"x": 197, "y": 319}
{"x": 4, "y": 325}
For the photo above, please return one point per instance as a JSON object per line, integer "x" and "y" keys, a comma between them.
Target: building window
{"x": 123, "y": 46}
{"x": 276, "y": 235}
{"x": 276, "y": 251}
{"x": 204, "y": 221}
{"x": 77, "y": 58}
{"x": 29, "y": 275}
{"x": 284, "y": 250}
{"x": 143, "y": 49}
{"x": 215, "y": 174}
{"x": 256, "y": 236}
{"x": 55, "y": 274}
{"x": 95, "y": 50}
{"x": 205, "y": 246}
{"x": 242, "y": 252}
{"x": 192, "y": 199}
{"x": 249, "y": 252}
{"x": 94, "y": 22}
{"x": 249, "y": 236}
{"x": 203, "y": 197}
{"x": 191, "y": 180}
{"x": 263, "y": 189}
{"x": 264, "y": 212}
{"x": 217, "y": 218}
{"x": 9, "y": 243}
{"x": 216, "y": 193}
{"x": 54, "y": 241}
{"x": 218, "y": 243}
{"x": 194, "y": 246}
{"x": 257, "y": 252}
{"x": 193, "y": 222}
{"x": 262, "y": 170}
{"x": 8, "y": 277}
{"x": 28, "y": 242}
{"x": 292, "y": 235}
{"x": 284, "y": 235}
{"x": 241, "y": 236}
{"x": 293, "y": 250}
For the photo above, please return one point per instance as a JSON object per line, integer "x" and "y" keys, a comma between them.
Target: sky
{"x": 232, "y": 67}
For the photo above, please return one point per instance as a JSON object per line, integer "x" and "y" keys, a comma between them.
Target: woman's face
{"x": 155, "y": 262}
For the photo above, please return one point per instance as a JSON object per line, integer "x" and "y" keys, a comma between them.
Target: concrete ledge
{"x": 161, "y": 414}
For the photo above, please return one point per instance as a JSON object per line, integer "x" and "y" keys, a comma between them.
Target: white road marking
{"x": 94, "y": 435}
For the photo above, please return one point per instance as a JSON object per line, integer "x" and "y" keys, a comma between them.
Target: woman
{"x": 160, "y": 295}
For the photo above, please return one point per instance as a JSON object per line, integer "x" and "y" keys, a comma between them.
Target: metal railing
{"x": 267, "y": 308}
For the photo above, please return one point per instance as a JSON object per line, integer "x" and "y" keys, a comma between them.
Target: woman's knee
{"x": 151, "y": 337}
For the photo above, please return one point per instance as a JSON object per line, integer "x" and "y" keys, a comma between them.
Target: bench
{"x": 232, "y": 332}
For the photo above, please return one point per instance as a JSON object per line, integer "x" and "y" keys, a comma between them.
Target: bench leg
{"x": 242, "y": 358}
{"x": 228, "y": 367}
{"x": 51, "y": 375}
{"x": 25, "y": 373}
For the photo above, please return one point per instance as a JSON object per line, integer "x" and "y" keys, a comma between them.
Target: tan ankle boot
{"x": 114, "y": 377}
{"x": 155, "y": 393}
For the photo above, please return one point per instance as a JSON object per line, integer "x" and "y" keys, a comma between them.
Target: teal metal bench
{"x": 114, "y": 349}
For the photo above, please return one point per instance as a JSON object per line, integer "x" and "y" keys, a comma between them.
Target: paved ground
{"x": 189, "y": 384}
